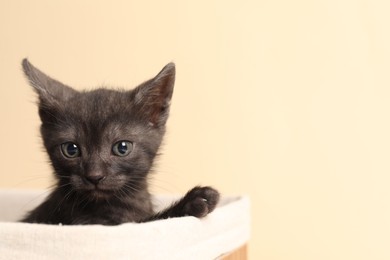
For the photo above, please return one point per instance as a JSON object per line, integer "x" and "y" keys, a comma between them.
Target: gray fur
{"x": 99, "y": 187}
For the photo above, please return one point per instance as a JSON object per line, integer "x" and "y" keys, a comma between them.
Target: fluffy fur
{"x": 82, "y": 131}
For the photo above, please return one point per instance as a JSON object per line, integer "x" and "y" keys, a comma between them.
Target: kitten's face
{"x": 103, "y": 142}
{"x": 99, "y": 144}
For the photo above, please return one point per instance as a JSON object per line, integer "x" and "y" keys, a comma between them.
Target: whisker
{"x": 123, "y": 196}
{"x": 132, "y": 187}
{"x": 65, "y": 198}
{"x": 63, "y": 176}
{"x": 36, "y": 197}
{"x": 85, "y": 199}
{"x": 30, "y": 179}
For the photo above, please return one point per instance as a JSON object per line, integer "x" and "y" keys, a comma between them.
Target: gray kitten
{"x": 101, "y": 145}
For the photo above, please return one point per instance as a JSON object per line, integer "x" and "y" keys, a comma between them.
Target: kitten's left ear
{"x": 154, "y": 96}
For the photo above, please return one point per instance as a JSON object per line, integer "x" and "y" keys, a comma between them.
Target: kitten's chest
{"x": 76, "y": 210}
{"x": 108, "y": 214}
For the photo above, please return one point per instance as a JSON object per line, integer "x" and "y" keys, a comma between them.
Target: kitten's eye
{"x": 122, "y": 148}
{"x": 70, "y": 150}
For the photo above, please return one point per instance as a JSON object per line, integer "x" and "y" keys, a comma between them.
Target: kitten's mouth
{"x": 98, "y": 191}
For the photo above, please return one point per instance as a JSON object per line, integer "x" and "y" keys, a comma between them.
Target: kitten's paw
{"x": 200, "y": 201}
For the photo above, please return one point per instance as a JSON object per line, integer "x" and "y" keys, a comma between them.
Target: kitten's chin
{"x": 101, "y": 194}
{"x": 98, "y": 194}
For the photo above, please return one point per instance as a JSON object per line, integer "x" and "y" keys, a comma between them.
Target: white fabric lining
{"x": 222, "y": 231}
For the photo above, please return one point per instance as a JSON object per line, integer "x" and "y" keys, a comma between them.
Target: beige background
{"x": 287, "y": 101}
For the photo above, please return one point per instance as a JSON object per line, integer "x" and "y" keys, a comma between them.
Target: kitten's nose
{"x": 95, "y": 179}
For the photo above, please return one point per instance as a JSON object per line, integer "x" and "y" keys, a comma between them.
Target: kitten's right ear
{"x": 49, "y": 90}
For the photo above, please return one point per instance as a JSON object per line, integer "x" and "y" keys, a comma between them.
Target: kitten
{"x": 102, "y": 144}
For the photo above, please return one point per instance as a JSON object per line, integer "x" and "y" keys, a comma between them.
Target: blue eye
{"x": 122, "y": 148}
{"x": 70, "y": 150}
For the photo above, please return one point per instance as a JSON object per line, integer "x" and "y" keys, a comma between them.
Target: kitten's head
{"x": 102, "y": 142}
